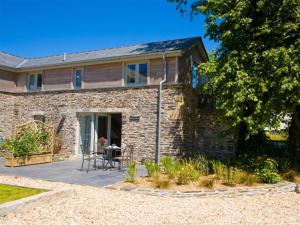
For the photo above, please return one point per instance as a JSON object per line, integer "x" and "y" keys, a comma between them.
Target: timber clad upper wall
{"x": 95, "y": 76}
{"x": 7, "y": 81}
{"x": 57, "y": 79}
{"x": 157, "y": 70}
{"x": 21, "y": 82}
{"x": 103, "y": 75}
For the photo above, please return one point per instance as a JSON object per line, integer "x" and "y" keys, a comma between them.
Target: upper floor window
{"x": 77, "y": 78}
{"x": 34, "y": 81}
{"x": 195, "y": 76}
{"x": 136, "y": 74}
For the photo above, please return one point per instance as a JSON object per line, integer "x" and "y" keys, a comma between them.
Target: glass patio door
{"x": 85, "y": 132}
{"x": 91, "y": 128}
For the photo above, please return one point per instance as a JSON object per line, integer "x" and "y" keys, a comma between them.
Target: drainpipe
{"x": 157, "y": 159}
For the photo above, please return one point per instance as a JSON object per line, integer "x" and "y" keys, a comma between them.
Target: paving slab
{"x": 68, "y": 172}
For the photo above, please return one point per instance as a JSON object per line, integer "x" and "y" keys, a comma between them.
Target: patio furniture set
{"x": 108, "y": 156}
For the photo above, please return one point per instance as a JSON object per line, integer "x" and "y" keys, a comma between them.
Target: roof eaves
{"x": 97, "y": 61}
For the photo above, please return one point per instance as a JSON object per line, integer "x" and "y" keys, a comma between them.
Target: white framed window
{"x": 78, "y": 78}
{"x": 34, "y": 81}
{"x": 136, "y": 74}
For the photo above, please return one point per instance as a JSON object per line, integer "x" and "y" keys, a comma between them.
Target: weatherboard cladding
{"x": 15, "y": 62}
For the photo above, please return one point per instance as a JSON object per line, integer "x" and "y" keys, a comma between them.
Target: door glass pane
{"x": 143, "y": 69}
{"x": 85, "y": 124}
{"x": 131, "y": 74}
{"x": 39, "y": 80}
{"x": 102, "y": 126}
{"x": 78, "y": 78}
{"x": 31, "y": 82}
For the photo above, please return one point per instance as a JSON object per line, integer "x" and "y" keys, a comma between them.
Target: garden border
{"x": 225, "y": 192}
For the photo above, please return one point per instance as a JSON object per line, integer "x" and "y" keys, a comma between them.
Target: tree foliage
{"x": 256, "y": 74}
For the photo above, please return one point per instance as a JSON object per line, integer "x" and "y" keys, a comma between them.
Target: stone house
{"x": 114, "y": 93}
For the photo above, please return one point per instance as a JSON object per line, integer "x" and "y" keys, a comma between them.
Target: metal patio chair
{"x": 125, "y": 158}
{"x": 89, "y": 156}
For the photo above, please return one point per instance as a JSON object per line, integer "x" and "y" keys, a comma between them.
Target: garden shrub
{"x": 171, "y": 167}
{"x": 151, "y": 168}
{"x": 158, "y": 181}
{"x": 207, "y": 182}
{"x": 267, "y": 171}
{"x": 132, "y": 171}
{"x": 187, "y": 173}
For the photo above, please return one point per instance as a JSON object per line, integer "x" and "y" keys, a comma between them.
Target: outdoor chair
{"x": 89, "y": 156}
{"x": 125, "y": 158}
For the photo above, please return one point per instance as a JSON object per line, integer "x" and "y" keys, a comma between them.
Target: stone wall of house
{"x": 183, "y": 128}
{"x": 6, "y": 115}
{"x": 61, "y": 108}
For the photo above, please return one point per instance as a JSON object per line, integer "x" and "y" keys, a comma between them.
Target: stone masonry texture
{"x": 182, "y": 128}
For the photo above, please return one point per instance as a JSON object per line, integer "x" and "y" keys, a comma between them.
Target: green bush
{"x": 160, "y": 182}
{"x": 201, "y": 164}
{"x": 171, "y": 167}
{"x": 132, "y": 171}
{"x": 267, "y": 171}
{"x": 187, "y": 173}
{"x": 151, "y": 168}
{"x": 26, "y": 142}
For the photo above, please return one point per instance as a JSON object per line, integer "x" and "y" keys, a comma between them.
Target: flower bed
{"x": 199, "y": 174}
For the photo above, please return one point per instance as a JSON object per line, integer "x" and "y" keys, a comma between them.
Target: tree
{"x": 256, "y": 75}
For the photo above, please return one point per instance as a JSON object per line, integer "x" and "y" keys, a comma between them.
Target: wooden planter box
{"x": 27, "y": 160}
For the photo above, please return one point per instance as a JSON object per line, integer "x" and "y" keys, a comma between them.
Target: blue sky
{"x": 32, "y": 28}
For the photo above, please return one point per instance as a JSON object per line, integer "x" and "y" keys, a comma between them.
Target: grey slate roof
{"x": 9, "y": 60}
{"x": 132, "y": 50}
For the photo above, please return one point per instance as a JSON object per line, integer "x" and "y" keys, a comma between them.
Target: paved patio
{"x": 68, "y": 172}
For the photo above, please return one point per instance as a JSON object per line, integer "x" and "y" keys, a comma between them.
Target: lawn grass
{"x": 10, "y": 193}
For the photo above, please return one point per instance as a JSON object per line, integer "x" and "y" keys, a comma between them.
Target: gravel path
{"x": 90, "y": 205}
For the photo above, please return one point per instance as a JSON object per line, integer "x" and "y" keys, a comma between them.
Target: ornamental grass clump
{"x": 171, "y": 167}
{"x": 152, "y": 168}
{"x": 219, "y": 169}
{"x": 187, "y": 173}
{"x": 201, "y": 164}
{"x": 132, "y": 171}
{"x": 207, "y": 182}
{"x": 245, "y": 178}
{"x": 160, "y": 181}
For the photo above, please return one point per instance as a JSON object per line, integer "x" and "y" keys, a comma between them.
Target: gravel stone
{"x": 92, "y": 205}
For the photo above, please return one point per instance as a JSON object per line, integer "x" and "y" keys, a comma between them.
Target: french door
{"x": 93, "y": 126}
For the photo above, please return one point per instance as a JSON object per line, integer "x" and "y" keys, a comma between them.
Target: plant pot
{"x": 27, "y": 160}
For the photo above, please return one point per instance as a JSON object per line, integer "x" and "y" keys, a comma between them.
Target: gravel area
{"x": 91, "y": 205}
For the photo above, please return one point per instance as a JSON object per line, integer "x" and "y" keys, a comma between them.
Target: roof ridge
{"x": 101, "y": 49}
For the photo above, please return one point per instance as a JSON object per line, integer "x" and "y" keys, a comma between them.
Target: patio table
{"x": 110, "y": 151}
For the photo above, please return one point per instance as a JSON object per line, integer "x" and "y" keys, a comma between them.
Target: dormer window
{"x": 77, "y": 78}
{"x": 34, "y": 81}
{"x": 136, "y": 74}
